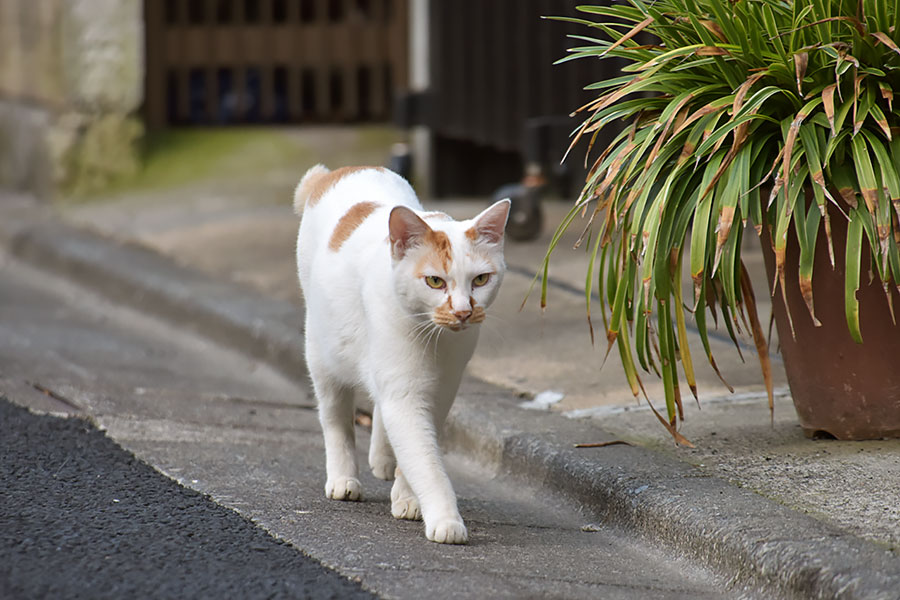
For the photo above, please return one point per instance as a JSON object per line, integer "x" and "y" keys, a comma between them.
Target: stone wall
{"x": 71, "y": 83}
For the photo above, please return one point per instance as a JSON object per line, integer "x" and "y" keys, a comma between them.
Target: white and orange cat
{"x": 394, "y": 296}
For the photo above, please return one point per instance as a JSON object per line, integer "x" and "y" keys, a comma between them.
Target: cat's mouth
{"x": 457, "y": 326}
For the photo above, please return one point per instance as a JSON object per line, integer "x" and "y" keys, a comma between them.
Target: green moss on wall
{"x": 104, "y": 151}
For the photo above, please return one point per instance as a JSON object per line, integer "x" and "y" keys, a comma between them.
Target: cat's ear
{"x": 407, "y": 230}
{"x": 491, "y": 223}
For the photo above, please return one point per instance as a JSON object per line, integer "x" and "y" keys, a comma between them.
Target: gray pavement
{"x": 83, "y": 514}
{"x": 775, "y": 514}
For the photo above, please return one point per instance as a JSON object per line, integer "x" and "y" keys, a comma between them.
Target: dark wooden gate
{"x": 493, "y": 80}
{"x": 273, "y": 61}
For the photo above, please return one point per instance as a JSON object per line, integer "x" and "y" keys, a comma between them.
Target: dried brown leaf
{"x": 886, "y": 40}
{"x": 712, "y": 51}
{"x": 634, "y": 31}
{"x": 603, "y": 444}
{"x": 779, "y": 274}
{"x": 723, "y": 229}
{"x": 857, "y": 81}
{"x": 714, "y": 29}
{"x": 828, "y": 104}
{"x": 663, "y": 136}
{"x": 888, "y": 94}
{"x": 673, "y": 431}
{"x": 848, "y": 195}
{"x": 827, "y": 218}
{"x": 801, "y": 61}
{"x": 759, "y": 338}
{"x": 807, "y": 291}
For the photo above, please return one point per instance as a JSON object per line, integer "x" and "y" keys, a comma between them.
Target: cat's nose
{"x": 462, "y": 315}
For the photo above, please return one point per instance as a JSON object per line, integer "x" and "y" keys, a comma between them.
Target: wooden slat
{"x": 155, "y": 73}
{"x": 343, "y": 47}
{"x": 183, "y": 106}
{"x": 266, "y": 93}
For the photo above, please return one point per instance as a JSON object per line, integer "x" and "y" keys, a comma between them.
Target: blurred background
{"x": 101, "y": 97}
{"x": 184, "y": 126}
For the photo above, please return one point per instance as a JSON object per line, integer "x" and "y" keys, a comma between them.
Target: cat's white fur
{"x": 374, "y": 323}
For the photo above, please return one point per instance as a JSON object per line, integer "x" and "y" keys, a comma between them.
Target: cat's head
{"x": 448, "y": 271}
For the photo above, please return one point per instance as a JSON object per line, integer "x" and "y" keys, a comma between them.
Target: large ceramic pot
{"x": 847, "y": 390}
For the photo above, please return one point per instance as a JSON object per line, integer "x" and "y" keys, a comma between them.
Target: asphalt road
{"x": 83, "y": 518}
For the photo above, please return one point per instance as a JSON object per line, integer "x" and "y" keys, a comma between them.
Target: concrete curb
{"x": 762, "y": 547}
{"x": 263, "y": 329}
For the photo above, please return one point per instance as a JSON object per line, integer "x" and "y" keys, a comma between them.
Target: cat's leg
{"x": 404, "y": 504}
{"x": 410, "y": 426}
{"x": 381, "y": 455}
{"x": 336, "y": 415}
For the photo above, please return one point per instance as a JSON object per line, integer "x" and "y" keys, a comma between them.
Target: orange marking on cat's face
{"x": 478, "y": 313}
{"x": 438, "y": 252}
{"x": 440, "y": 246}
{"x": 325, "y": 182}
{"x": 445, "y": 316}
{"x": 347, "y": 224}
{"x": 472, "y": 234}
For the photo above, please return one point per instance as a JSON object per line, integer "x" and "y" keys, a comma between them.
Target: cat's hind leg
{"x": 336, "y": 415}
{"x": 381, "y": 456}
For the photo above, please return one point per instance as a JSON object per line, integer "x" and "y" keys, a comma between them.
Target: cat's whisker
{"x": 497, "y": 322}
{"x": 494, "y": 317}
{"x": 438, "y": 331}
{"x": 421, "y": 324}
{"x": 423, "y": 332}
{"x": 429, "y": 336}
{"x": 429, "y": 333}
{"x": 413, "y": 316}
{"x": 437, "y": 340}
{"x": 493, "y": 329}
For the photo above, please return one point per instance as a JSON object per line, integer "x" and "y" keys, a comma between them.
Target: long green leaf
{"x": 851, "y": 272}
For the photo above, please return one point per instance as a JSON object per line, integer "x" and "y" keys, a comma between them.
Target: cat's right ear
{"x": 407, "y": 230}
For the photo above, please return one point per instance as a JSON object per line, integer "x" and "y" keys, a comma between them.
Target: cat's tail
{"x": 306, "y": 186}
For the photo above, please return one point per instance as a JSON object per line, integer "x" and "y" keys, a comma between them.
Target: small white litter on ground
{"x": 543, "y": 401}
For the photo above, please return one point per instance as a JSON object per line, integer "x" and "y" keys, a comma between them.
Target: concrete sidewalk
{"x": 229, "y": 275}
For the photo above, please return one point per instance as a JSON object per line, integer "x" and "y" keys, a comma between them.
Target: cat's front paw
{"x": 447, "y": 531}
{"x": 383, "y": 467}
{"x": 343, "y": 488}
{"x": 406, "y": 508}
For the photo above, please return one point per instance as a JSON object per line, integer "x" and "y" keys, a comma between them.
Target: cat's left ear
{"x": 491, "y": 223}
{"x": 407, "y": 230}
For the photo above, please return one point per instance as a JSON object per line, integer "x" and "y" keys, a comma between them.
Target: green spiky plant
{"x": 759, "y": 110}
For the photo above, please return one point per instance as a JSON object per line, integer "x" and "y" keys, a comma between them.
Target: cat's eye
{"x": 435, "y": 282}
{"x": 481, "y": 280}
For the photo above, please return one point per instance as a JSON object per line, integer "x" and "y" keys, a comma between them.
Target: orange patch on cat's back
{"x": 348, "y": 223}
{"x": 326, "y": 181}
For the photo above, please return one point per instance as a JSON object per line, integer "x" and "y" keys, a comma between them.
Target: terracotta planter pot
{"x": 848, "y": 390}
